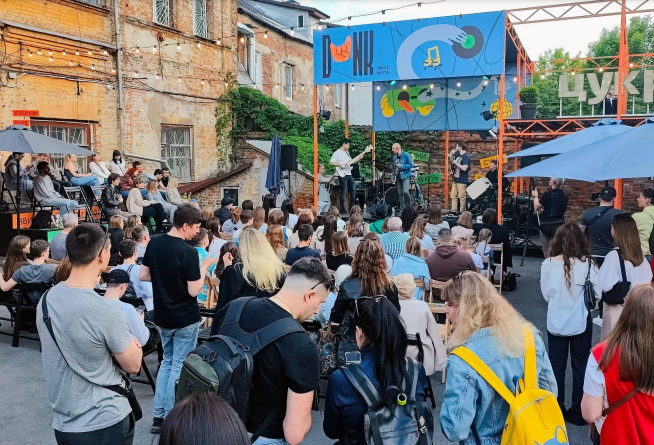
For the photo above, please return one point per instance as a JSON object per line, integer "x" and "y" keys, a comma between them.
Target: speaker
{"x": 385, "y": 208}
{"x": 526, "y": 161}
{"x": 288, "y": 161}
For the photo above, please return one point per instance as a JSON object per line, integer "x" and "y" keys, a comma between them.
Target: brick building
{"x": 61, "y": 60}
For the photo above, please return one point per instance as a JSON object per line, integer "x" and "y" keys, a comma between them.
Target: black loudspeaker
{"x": 373, "y": 209}
{"x": 526, "y": 161}
{"x": 288, "y": 161}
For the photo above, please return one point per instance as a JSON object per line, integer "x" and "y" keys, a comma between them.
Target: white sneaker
{"x": 56, "y": 221}
{"x": 597, "y": 321}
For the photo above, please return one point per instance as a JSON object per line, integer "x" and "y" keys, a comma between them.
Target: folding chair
{"x": 93, "y": 195}
{"x": 19, "y": 303}
{"x": 5, "y": 189}
{"x": 414, "y": 340}
{"x": 144, "y": 367}
{"x": 486, "y": 272}
{"x": 498, "y": 248}
{"x": 443, "y": 329}
{"x": 76, "y": 194}
{"x": 37, "y": 205}
{"x": 422, "y": 283}
{"x": 212, "y": 295}
{"x": 436, "y": 288}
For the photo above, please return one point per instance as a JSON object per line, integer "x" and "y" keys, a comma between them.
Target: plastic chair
{"x": 414, "y": 340}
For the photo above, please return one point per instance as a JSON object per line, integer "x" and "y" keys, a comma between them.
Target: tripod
{"x": 527, "y": 239}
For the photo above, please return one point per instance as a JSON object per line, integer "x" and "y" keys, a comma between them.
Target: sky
{"x": 573, "y": 35}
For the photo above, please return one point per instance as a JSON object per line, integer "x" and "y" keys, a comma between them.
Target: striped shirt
{"x": 393, "y": 243}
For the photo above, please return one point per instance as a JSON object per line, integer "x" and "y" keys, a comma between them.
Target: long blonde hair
{"x": 480, "y": 306}
{"x": 262, "y": 268}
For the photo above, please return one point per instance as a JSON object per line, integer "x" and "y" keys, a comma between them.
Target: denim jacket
{"x": 469, "y": 399}
{"x": 414, "y": 265}
{"x": 406, "y": 163}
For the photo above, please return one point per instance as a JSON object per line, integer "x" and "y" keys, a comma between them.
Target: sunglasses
{"x": 329, "y": 285}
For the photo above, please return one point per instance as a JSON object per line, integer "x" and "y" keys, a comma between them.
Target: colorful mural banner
{"x": 429, "y": 48}
{"x": 419, "y": 156}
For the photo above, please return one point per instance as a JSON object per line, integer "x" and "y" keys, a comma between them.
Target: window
{"x": 258, "y": 70}
{"x": 93, "y": 2}
{"x": 337, "y": 96}
{"x": 176, "y": 150}
{"x": 78, "y": 134}
{"x": 162, "y": 12}
{"x": 289, "y": 81}
{"x": 200, "y": 18}
{"x": 231, "y": 193}
{"x": 300, "y": 21}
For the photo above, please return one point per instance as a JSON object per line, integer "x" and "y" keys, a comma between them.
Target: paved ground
{"x": 26, "y": 417}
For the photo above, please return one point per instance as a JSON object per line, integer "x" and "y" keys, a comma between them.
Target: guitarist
{"x": 343, "y": 162}
{"x": 460, "y": 169}
{"x": 402, "y": 165}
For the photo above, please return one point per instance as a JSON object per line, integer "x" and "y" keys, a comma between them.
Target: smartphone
{"x": 352, "y": 357}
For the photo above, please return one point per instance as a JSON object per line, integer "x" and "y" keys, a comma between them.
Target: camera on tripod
{"x": 523, "y": 200}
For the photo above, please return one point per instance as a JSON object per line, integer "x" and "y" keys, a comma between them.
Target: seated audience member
{"x": 305, "y": 233}
{"x": 356, "y": 229}
{"x": 143, "y": 289}
{"x": 111, "y": 199}
{"x": 215, "y": 241}
{"x": 142, "y": 207}
{"x": 294, "y": 238}
{"x": 201, "y": 241}
{"x": 483, "y": 249}
{"x": 234, "y": 223}
{"x": 340, "y": 224}
{"x": 116, "y": 236}
{"x": 204, "y": 419}
{"x": 468, "y": 244}
{"x": 15, "y": 176}
{"x": 247, "y": 219}
{"x": 154, "y": 194}
{"x": 412, "y": 262}
{"x": 375, "y": 237}
{"x": 58, "y": 243}
{"x": 127, "y": 180}
{"x": 158, "y": 176}
{"x": 355, "y": 210}
{"x": 259, "y": 222}
{"x": 116, "y": 286}
{"x": 619, "y": 371}
{"x": 132, "y": 221}
{"x": 275, "y": 236}
{"x": 385, "y": 225}
{"x": 408, "y": 216}
{"x": 277, "y": 217}
{"x": 418, "y": 230}
{"x": 172, "y": 194}
{"x": 487, "y": 324}
{"x": 381, "y": 338}
{"x": 447, "y": 261}
{"x": 435, "y": 221}
{"x": 394, "y": 241}
{"x": 224, "y": 213}
{"x": 19, "y": 247}
{"x": 500, "y": 236}
{"x": 165, "y": 177}
{"x": 141, "y": 236}
{"x": 288, "y": 371}
{"x": 380, "y": 216}
{"x": 247, "y": 205}
{"x": 290, "y": 218}
{"x": 226, "y": 271}
{"x": 339, "y": 254}
{"x": 44, "y": 190}
{"x": 99, "y": 168}
{"x": 37, "y": 272}
{"x": 418, "y": 319}
{"x": 55, "y": 175}
{"x": 117, "y": 164}
{"x": 75, "y": 178}
{"x": 463, "y": 226}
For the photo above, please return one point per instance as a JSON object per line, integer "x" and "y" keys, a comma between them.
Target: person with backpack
{"x": 596, "y": 223}
{"x": 286, "y": 369}
{"x": 569, "y": 325}
{"x": 619, "y": 384}
{"x": 141, "y": 289}
{"x": 494, "y": 357}
{"x": 377, "y": 380}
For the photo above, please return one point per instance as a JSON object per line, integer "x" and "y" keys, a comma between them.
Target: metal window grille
{"x": 289, "y": 82}
{"x": 177, "y": 151}
{"x": 300, "y": 21}
{"x": 162, "y": 12}
{"x": 71, "y": 134}
{"x": 93, "y": 2}
{"x": 200, "y": 18}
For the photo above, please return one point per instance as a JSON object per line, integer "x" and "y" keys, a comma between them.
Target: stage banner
{"x": 429, "y": 48}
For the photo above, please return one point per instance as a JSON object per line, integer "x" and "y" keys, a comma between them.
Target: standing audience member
{"x": 206, "y": 420}
{"x": 116, "y": 235}
{"x": 447, "y": 261}
{"x": 99, "y": 169}
{"x": 37, "y": 272}
{"x": 418, "y": 319}
{"x": 111, "y": 199}
{"x": 645, "y": 220}
{"x": 627, "y": 250}
{"x": 287, "y": 372}
{"x": 116, "y": 286}
{"x": 380, "y": 216}
{"x": 201, "y": 241}
{"x": 141, "y": 235}
{"x": 596, "y": 223}
{"x": 500, "y": 236}
{"x": 177, "y": 277}
{"x": 247, "y": 205}
{"x": 412, "y": 262}
{"x": 394, "y": 241}
{"x": 215, "y": 241}
{"x": 259, "y": 222}
{"x": 463, "y": 225}
{"x": 290, "y": 218}
{"x": 275, "y": 236}
{"x": 408, "y": 216}
{"x": 84, "y": 345}
{"x": 381, "y": 338}
{"x": 305, "y": 233}
{"x": 435, "y": 221}
{"x": 276, "y": 217}
{"x": 234, "y": 223}
{"x": 552, "y": 206}
{"x": 153, "y": 194}
{"x": 375, "y": 238}
{"x": 356, "y": 229}
{"x": 418, "y": 230}
{"x": 229, "y": 255}
{"x": 339, "y": 254}
{"x": 206, "y": 214}
{"x": 269, "y": 205}
{"x": 619, "y": 375}
{"x": 75, "y": 178}
{"x": 117, "y": 164}
{"x": 247, "y": 219}
{"x": 58, "y": 243}
{"x": 19, "y": 247}
{"x": 468, "y": 244}
{"x": 15, "y": 175}
{"x": 44, "y": 190}
{"x": 224, "y": 213}
{"x": 143, "y": 289}
{"x": 485, "y": 323}
{"x": 137, "y": 205}
{"x": 569, "y": 323}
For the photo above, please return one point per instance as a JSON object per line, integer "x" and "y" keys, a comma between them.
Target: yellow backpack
{"x": 534, "y": 414}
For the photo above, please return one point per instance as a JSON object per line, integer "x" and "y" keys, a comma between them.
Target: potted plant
{"x": 529, "y": 99}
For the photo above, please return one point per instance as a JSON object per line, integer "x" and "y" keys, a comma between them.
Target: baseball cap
{"x": 226, "y": 201}
{"x": 607, "y": 193}
{"x": 118, "y": 276}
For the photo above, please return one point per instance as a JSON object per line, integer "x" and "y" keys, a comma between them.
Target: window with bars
{"x": 161, "y": 12}
{"x": 200, "y": 18}
{"x": 177, "y": 151}
{"x": 300, "y": 21}
{"x": 289, "y": 81}
{"x": 337, "y": 96}
{"x": 93, "y": 2}
{"x": 77, "y": 134}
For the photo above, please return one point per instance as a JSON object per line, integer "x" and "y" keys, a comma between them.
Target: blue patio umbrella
{"x": 564, "y": 144}
{"x": 21, "y": 139}
{"x": 274, "y": 172}
{"x": 626, "y": 155}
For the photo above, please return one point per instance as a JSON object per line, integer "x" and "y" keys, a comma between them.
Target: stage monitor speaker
{"x": 526, "y": 161}
{"x": 385, "y": 208}
{"x": 288, "y": 161}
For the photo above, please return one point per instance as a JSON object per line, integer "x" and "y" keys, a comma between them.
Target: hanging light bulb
{"x": 276, "y": 86}
{"x": 77, "y": 53}
{"x": 90, "y": 53}
{"x": 327, "y": 87}
{"x": 136, "y": 74}
{"x": 71, "y": 63}
{"x": 265, "y": 34}
{"x": 515, "y": 79}
{"x": 631, "y": 65}
{"x": 179, "y": 47}
{"x": 542, "y": 76}
{"x": 113, "y": 70}
{"x": 39, "y": 52}
{"x": 93, "y": 67}
{"x": 138, "y": 50}
{"x": 202, "y": 81}
{"x": 404, "y": 87}
{"x": 302, "y": 87}
{"x": 179, "y": 80}
{"x": 30, "y": 52}
{"x": 199, "y": 45}
{"x": 50, "y": 59}
{"x": 218, "y": 42}
{"x": 154, "y": 49}
{"x": 458, "y": 84}
{"x": 485, "y": 82}
{"x": 573, "y": 73}
{"x": 226, "y": 84}
{"x": 378, "y": 88}
{"x": 292, "y": 31}
{"x": 601, "y": 70}
{"x": 242, "y": 39}
{"x": 63, "y": 53}
{"x": 105, "y": 52}
{"x": 431, "y": 86}
{"x": 50, "y": 52}
{"x": 156, "y": 76}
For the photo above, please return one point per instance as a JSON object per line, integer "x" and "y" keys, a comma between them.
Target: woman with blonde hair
{"x": 486, "y": 324}
{"x": 75, "y": 178}
{"x": 463, "y": 226}
{"x": 234, "y": 223}
{"x": 418, "y": 319}
{"x": 275, "y": 236}
{"x": 132, "y": 221}
{"x": 152, "y": 193}
{"x": 418, "y": 230}
{"x": 172, "y": 194}
{"x": 260, "y": 273}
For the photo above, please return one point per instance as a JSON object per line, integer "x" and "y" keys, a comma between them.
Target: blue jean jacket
{"x": 414, "y": 265}
{"x": 406, "y": 163}
{"x": 469, "y": 399}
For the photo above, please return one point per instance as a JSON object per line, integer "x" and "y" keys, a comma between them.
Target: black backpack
{"x": 224, "y": 364}
{"x": 408, "y": 424}
{"x": 130, "y": 296}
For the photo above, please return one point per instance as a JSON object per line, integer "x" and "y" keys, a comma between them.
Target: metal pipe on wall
{"x": 119, "y": 72}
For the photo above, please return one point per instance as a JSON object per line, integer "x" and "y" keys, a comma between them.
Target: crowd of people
{"x": 371, "y": 280}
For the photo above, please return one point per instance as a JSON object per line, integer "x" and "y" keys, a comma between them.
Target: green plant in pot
{"x": 529, "y": 99}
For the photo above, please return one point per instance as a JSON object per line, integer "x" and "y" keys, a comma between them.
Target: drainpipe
{"x": 119, "y": 72}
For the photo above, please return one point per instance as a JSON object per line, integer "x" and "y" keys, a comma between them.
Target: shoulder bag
{"x": 609, "y": 409}
{"x": 620, "y": 290}
{"x": 595, "y": 218}
{"x": 589, "y": 291}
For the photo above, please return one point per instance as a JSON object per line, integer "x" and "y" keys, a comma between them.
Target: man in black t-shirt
{"x": 287, "y": 371}
{"x": 461, "y": 169}
{"x": 597, "y": 221}
{"x": 177, "y": 277}
{"x": 552, "y": 207}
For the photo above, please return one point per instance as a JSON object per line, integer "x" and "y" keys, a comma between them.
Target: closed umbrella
{"x": 21, "y": 139}
{"x": 274, "y": 172}
{"x": 600, "y": 130}
{"x": 626, "y": 155}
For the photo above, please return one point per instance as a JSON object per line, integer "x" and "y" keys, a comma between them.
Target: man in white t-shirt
{"x": 343, "y": 162}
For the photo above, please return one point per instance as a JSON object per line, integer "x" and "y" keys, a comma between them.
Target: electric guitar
{"x": 341, "y": 172}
